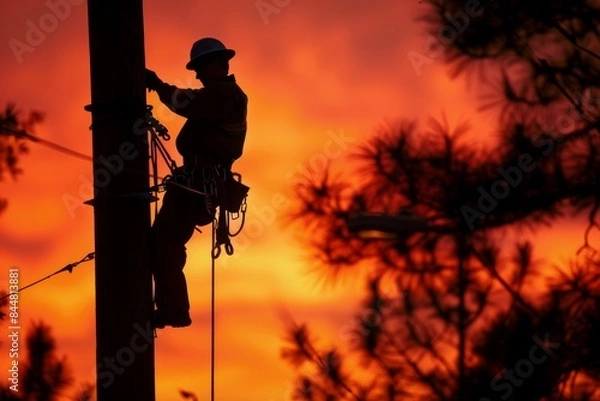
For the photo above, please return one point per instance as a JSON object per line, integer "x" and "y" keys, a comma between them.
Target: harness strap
{"x": 222, "y": 229}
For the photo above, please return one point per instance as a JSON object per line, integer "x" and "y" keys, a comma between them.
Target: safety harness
{"x": 220, "y": 187}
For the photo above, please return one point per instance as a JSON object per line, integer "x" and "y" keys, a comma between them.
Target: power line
{"x": 69, "y": 268}
{"x": 52, "y": 145}
{"x": 59, "y": 148}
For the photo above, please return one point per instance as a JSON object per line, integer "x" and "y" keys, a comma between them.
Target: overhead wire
{"x": 18, "y": 133}
{"x": 22, "y": 134}
{"x": 90, "y": 256}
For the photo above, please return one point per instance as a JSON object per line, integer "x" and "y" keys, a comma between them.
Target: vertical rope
{"x": 151, "y": 232}
{"x": 212, "y": 315}
{"x": 154, "y": 164}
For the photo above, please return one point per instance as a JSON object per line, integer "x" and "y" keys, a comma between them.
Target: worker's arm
{"x": 191, "y": 103}
{"x": 188, "y": 103}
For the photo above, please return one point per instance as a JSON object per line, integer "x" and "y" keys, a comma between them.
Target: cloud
{"x": 315, "y": 67}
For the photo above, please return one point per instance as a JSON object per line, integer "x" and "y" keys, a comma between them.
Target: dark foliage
{"x": 43, "y": 375}
{"x": 457, "y": 313}
{"x": 13, "y": 130}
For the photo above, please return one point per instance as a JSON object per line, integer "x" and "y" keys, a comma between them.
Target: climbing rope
{"x": 212, "y": 317}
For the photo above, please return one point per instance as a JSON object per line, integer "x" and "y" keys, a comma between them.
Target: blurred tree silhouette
{"x": 43, "y": 376}
{"x": 13, "y": 128}
{"x": 456, "y": 313}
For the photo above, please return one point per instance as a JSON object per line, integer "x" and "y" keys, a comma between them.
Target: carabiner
{"x": 216, "y": 251}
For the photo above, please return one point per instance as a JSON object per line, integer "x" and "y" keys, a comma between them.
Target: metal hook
{"x": 216, "y": 251}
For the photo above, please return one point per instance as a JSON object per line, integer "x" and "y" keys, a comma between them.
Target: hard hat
{"x": 206, "y": 46}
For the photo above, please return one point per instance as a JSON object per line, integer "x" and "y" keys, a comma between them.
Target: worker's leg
{"x": 172, "y": 229}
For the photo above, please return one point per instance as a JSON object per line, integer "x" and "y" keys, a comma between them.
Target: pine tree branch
{"x": 573, "y": 40}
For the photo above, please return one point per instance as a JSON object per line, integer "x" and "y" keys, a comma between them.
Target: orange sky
{"x": 314, "y": 71}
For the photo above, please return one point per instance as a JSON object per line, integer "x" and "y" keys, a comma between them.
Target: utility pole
{"x": 124, "y": 338}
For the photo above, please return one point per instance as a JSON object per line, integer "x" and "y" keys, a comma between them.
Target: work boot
{"x": 161, "y": 318}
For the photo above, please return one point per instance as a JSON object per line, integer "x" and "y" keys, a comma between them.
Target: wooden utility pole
{"x": 124, "y": 338}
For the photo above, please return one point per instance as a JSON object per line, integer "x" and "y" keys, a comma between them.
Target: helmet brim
{"x": 228, "y": 53}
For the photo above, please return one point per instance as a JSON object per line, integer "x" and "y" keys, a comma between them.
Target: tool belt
{"x": 217, "y": 180}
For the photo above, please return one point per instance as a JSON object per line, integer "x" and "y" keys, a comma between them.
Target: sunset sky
{"x": 321, "y": 76}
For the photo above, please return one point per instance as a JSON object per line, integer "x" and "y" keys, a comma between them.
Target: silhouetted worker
{"x": 213, "y": 136}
